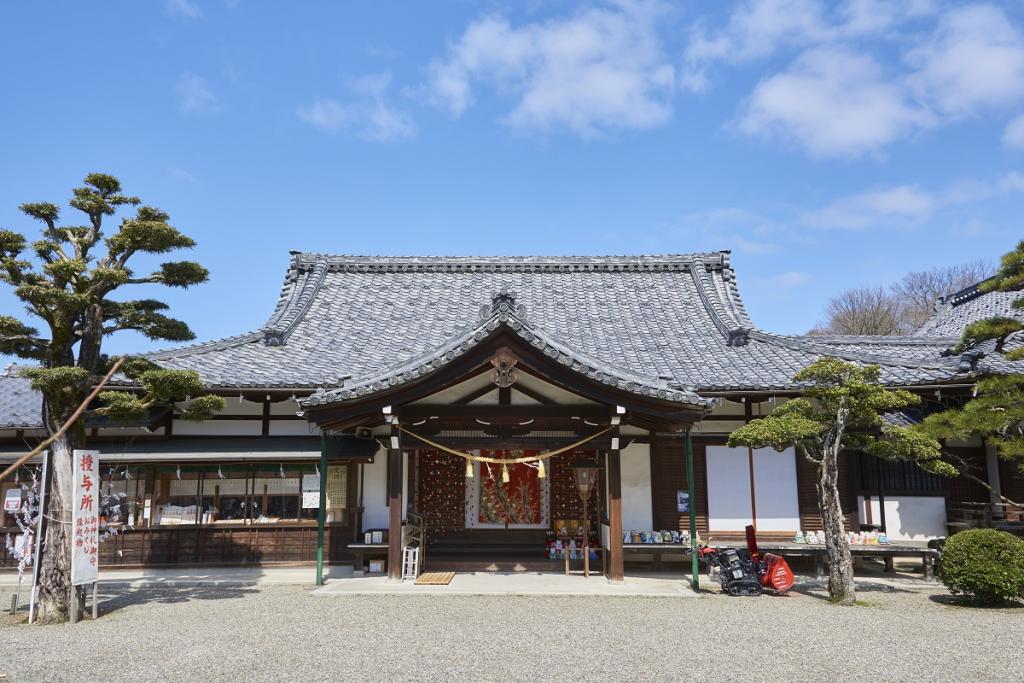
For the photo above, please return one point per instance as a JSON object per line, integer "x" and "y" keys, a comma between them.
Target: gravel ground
{"x": 279, "y": 633}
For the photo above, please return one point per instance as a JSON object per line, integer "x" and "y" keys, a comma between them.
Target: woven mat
{"x": 435, "y": 578}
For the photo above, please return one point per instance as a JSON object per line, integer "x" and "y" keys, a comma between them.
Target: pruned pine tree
{"x": 65, "y": 280}
{"x": 841, "y": 410}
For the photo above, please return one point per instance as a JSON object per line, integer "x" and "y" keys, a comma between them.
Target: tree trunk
{"x": 55, "y": 571}
{"x": 840, "y": 563}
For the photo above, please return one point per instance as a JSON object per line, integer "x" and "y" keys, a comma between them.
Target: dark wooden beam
{"x": 616, "y": 565}
{"x": 504, "y": 396}
{"x": 395, "y": 504}
{"x": 265, "y": 427}
{"x": 524, "y": 442}
{"x": 504, "y": 414}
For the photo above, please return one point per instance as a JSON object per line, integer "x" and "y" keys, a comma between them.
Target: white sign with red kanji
{"x": 85, "y": 518}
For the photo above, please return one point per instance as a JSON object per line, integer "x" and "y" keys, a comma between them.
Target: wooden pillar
{"x": 395, "y": 503}
{"x": 615, "y": 568}
{"x": 321, "y": 515}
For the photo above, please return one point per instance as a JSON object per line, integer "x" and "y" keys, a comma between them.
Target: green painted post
{"x": 322, "y": 515}
{"x": 694, "y": 565}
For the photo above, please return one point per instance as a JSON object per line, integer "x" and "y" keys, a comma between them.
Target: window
{"x": 124, "y": 495}
{"x": 218, "y": 494}
{"x": 226, "y": 495}
{"x": 177, "y": 495}
{"x": 897, "y": 476}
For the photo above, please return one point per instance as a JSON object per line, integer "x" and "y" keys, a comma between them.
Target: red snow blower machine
{"x": 748, "y": 572}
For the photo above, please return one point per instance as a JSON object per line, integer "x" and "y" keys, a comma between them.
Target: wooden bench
{"x": 929, "y": 557}
{"x": 657, "y": 550}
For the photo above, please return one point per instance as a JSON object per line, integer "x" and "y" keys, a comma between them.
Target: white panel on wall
{"x": 728, "y": 488}
{"x": 218, "y": 428}
{"x": 375, "y": 514}
{"x": 636, "y": 487}
{"x": 775, "y": 493}
{"x": 292, "y": 428}
{"x": 908, "y": 518}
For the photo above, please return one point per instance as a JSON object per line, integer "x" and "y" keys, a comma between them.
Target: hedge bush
{"x": 985, "y": 565}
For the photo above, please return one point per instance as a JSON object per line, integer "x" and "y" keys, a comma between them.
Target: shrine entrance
{"x": 484, "y": 523}
{"x": 504, "y": 386}
{"x": 522, "y": 502}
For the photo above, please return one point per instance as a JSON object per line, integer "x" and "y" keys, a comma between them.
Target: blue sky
{"x": 828, "y": 145}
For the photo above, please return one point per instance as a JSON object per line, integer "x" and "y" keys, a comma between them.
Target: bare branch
{"x": 862, "y": 311}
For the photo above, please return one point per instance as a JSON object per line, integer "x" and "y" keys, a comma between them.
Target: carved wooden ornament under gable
{"x": 504, "y": 374}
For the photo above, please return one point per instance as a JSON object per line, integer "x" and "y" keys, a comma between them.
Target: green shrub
{"x": 984, "y": 564}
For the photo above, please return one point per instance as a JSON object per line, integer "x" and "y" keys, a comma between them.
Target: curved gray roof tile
{"x": 674, "y": 320}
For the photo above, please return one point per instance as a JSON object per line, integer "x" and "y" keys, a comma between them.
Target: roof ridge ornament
{"x": 503, "y": 302}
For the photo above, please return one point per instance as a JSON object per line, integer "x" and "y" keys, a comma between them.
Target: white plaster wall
{"x": 775, "y": 490}
{"x": 636, "y": 487}
{"x": 375, "y": 513}
{"x": 778, "y": 508}
{"x": 908, "y": 518}
{"x": 218, "y": 428}
{"x": 728, "y": 488}
{"x": 292, "y": 428}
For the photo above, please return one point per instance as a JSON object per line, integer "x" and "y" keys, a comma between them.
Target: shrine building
{"x": 450, "y": 400}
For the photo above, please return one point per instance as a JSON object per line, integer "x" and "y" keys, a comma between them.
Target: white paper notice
{"x": 311, "y": 490}
{"x": 85, "y": 518}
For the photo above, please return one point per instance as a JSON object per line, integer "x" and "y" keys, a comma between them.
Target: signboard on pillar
{"x": 85, "y": 518}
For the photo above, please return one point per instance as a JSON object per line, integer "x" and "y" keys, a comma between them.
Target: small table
{"x": 362, "y": 550}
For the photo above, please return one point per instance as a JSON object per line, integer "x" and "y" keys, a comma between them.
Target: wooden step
{"x": 500, "y": 565}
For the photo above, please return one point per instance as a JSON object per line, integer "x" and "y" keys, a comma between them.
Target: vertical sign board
{"x": 85, "y": 518}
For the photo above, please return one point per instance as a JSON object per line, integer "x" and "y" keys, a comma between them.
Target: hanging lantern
{"x": 504, "y": 474}
{"x": 585, "y": 474}
{"x": 469, "y": 469}
{"x": 540, "y": 469}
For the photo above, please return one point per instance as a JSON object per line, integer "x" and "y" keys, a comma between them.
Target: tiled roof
{"x": 671, "y": 324}
{"x": 20, "y": 406}
{"x": 957, "y": 311}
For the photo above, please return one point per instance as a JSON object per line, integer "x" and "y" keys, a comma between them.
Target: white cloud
{"x": 367, "y": 115}
{"x": 183, "y": 8}
{"x": 736, "y": 228}
{"x": 907, "y": 205}
{"x": 973, "y": 61}
{"x": 790, "y": 279}
{"x": 757, "y": 29}
{"x": 903, "y": 204}
{"x": 951, "y": 61}
{"x": 599, "y": 69}
{"x": 872, "y": 17}
{"x": 182, "y": 174}
{"x": 195, "y": 96}
{"x": 1013, "y": 136}
{"x": 833, "y": 102}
